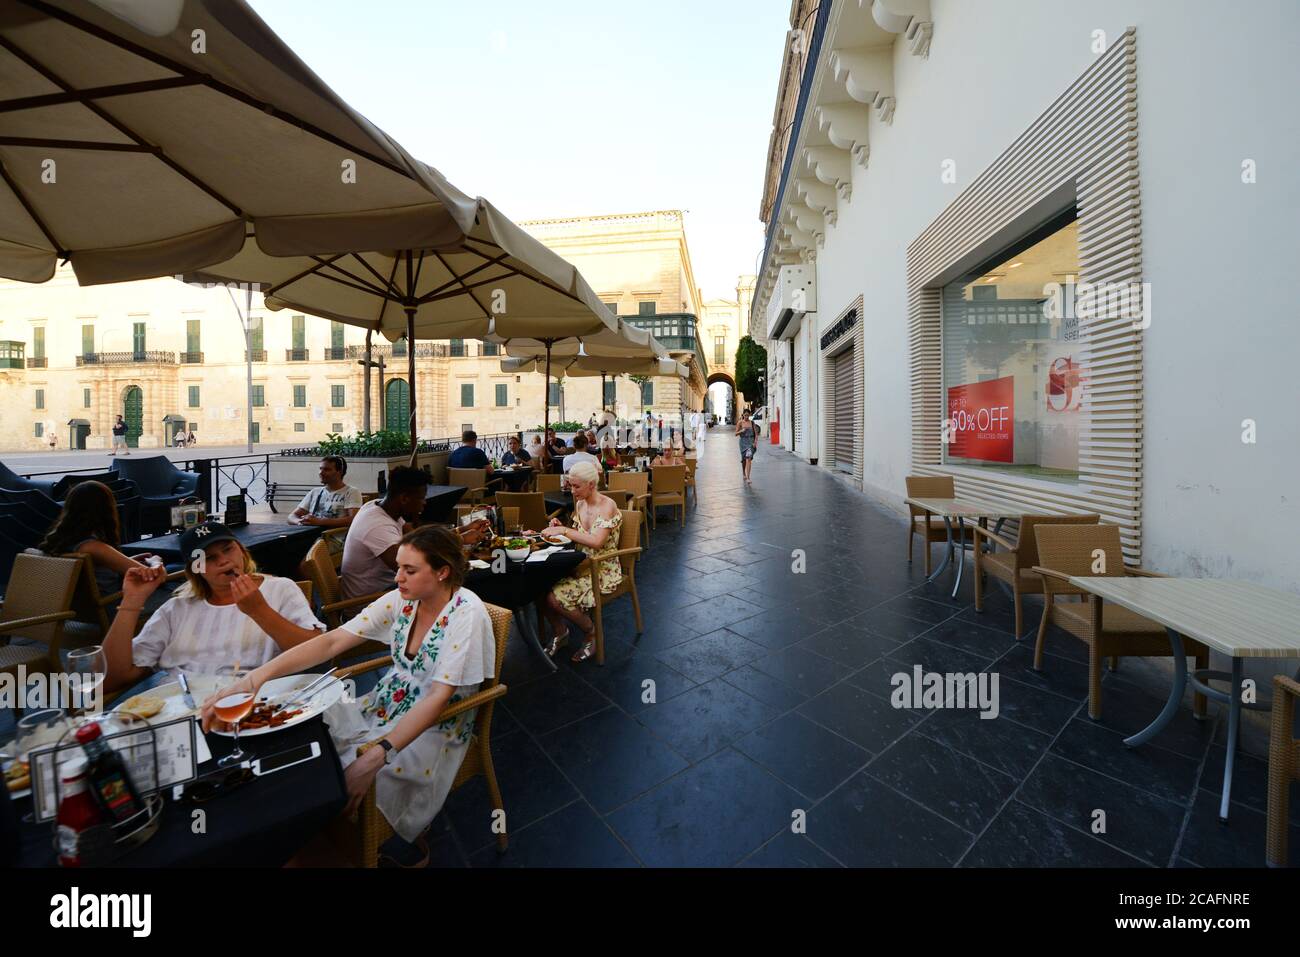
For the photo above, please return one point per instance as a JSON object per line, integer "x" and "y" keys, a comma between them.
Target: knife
{"x": 185, "y": 687}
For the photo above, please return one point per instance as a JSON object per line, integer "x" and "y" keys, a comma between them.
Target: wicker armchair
{"x": 37, "y": 604}
{"x": 335, "y": 538}
{"x": 478, "y": 490}
{"x": 548, "y": 482}
{"x": 531, "y": 507}
{"x": 627, "y": 553}
{"x": 1283, "y": 768}
{"x": 318, "y": 568}
{"x": 931, "y": 530}
{"x": 668, "y": 487}
{"x": 638, "y": 483}
{"x": 1107, "y": 630}
{"x": 360, "y": 840}
{"x": 1015, "y": 564}
{"x": 690, "y": 479}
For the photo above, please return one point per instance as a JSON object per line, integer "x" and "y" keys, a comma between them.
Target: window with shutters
{"x": 502, "y": 394}
{"x": 490, "y": 349}
{"x": 647, "y": 393}
{"x": 138, "y": 339}
{"x": 457, "y": 349}
{"x": 300, "y": 397}
{"x": 40, "y": 429}
{"x": 336, "y": 397}
{"x": 300, "y": 426}
{"x": 611, "y": 390}
{"x": 38, "y": 342}
{"x": 87, "y": 338}
{"x": 259, "y": 396}
{"x": 553, "y": 394}
{"x": 467, "y": 395}
{"x": 193, "y": 339}
{"x": 299, "y": 333}
{"x": 85, "y": 398}
{"x": 646, "y": 308}
{"x": 193, "y": 396}
{"x": 40, "y": 398}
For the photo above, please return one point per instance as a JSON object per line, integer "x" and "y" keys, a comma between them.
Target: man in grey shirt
{"x": 334, "y": 504}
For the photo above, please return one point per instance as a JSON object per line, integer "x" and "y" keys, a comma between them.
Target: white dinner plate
{"x": 329, "y": 692}
{"x": 173, "y": 697}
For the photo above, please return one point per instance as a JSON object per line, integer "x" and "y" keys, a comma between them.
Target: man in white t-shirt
{"x": 370, "y": 551}
{"x": 334, "y": 504}
{"x": 579, "y": 453}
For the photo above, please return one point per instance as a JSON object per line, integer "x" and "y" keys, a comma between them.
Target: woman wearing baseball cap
{"x": 225, "y": 613}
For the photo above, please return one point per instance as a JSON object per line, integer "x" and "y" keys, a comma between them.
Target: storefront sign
{"x": 840, "y": 328}
{"x": 981, "y": 417}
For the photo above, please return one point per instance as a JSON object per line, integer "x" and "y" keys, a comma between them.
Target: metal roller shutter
{"x": 796, "y": 400}
{"x": 846, "y": 437}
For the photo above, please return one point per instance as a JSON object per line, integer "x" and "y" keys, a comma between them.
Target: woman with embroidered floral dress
{"x": 442, "y": 647}
{"x": 596, "y": 526}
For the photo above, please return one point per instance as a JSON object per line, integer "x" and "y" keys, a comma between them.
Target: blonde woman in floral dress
{"x": 442, "y": 647}
{"x": 595, "y": 530}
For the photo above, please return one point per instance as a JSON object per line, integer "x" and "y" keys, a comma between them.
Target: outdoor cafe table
{"x": 513, "y": 479}
{"x": 278, "y": 549}
{"x": 1237, "y": 619}
{"x": 522, "y": 584}
{"x": 260, "y": 823}
{"x": 439, "y": 500}
{"x": 959, "y": 509}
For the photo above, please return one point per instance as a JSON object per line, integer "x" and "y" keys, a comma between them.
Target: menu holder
{"x": 236, "y": 511}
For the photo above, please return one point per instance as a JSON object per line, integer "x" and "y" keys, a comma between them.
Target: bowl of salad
{"x": 517, "y": 549}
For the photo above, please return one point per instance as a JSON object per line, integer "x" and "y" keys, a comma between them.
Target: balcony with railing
{"x": 152, "y": 357}
{"x": 37, "y": 362}
{"x": 11, "y": 354}
{"x": 423, "y": 350}
{"x": 191, "y": 358}
{"x": 334, "y": 353}
{"x": 295, "y": 355}
{"x": 675, "y": 332}
{"x": 258, "y": 355}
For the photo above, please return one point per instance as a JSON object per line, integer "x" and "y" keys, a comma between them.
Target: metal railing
{"x": 191, "y": 358}
{"x": 37, "y": 362}
{"x": 259, "y": 355}
{"x": 295, "y": 355}
{"x": 334, "y": 353}
{"x": 423, "y": 350}
{"x": 125, "y": 358}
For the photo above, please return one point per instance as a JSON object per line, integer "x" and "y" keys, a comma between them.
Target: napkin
{"x": 478, "y": 563}
{"x": 543, "y": 553}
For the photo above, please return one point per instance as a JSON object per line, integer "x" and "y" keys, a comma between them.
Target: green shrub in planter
{"x": 563, "y": 427}
{"x": 378, "y": 445}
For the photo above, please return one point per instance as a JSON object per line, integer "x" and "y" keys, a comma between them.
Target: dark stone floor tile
{"x": 624, "y": 682}
{"x": 715, "y": 613}
{"x": 1135, "y": 821}
{"x": 789, "y": 850}
{"x": 865, "y": 719}
{"x": 1033, "y": 707}
{"x": 998, "y": 742}
{"x": 1022, "y": 837}
{"x": 922, "y": 609}
{"x": 804, "y": 755}
{"x": 776, "y": 628}
{"x": 971, "y": 638}
{"x": 1127, "y": 708}
{"x": 711, "y": 655}
{"x": 1060, "y": 676}
{"x": 853, "y": 649}
{"x": 712, "y": 815}
{"x": 611, "y": 758}
{"x": 867, "y": 824}
{"x": 936, "y": 657}
{"x": 765, "y": 688}
{"x": 899, "y": 627}
{"x": 571, "y": 837}
{"x": 802, "y": 670}
{"x": 660, "y": 635}
{"x": 954, "y": 786}
{"x": 552, "y": 702}
{"x": 714, "y": 584}
{"x": 1249, "y": 782}
{"x": 1239, "y": 843}
{"x": 1149, "y": 767}
{"x": 706, "y": 719}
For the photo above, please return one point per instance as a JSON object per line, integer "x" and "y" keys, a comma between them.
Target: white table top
{"x": 1239, "y": 619}
{"x": 960, "y": 508}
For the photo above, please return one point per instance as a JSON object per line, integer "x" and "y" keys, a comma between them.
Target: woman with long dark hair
{"x": 748, "y": 433}
{"x": 89, "y": 524}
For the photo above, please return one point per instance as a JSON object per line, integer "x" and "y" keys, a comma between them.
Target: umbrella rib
{"x": 439, "y": 296}
{"x": 361, "y": 283}
{"x": 122, "y": 128}
{"x": 358, "y": 285}
{"x": 272, "y": 290}
{"x": 487, "y": 315}
{"x": 236, "y": 94}
{"x": 461, "y": 279}
{"x": 388, "y": 283}
{"x": 40, "y": 223}
{"x": 71, "y": 95}
{"x": 44, "y": 143}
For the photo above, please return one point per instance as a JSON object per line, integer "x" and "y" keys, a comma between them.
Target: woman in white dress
{"x": 701, "y": 428}
{"x": 225, "y": 614}
{"x": 440, "y": 638}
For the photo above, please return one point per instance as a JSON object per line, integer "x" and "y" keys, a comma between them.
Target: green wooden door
{"x": 134, "y": 415}
{"x": 397, "y": 405}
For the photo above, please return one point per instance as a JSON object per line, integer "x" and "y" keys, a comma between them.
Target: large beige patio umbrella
{"x": 157, "y": 137}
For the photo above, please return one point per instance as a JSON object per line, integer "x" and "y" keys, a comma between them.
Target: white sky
{"x": 569, "y": 108}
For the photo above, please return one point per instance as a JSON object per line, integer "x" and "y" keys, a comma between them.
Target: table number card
{"x": 177, "y": 761}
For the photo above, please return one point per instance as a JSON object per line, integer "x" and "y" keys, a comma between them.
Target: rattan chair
{"x": 690, "y": 478}
{"x": 478, "y": 490}
{"x": 668, "y": 487}
{"x": 37, "y": 605}
{"x": 333, "y": 608}
{"x": 627, "y": 458}
{"x": 548, "y": 482}
{"x": 1015, "y": 564}
{"x": 1283, "y": 768}
{"x": 335, "y": 538}
{"x": 1108, "y": 630}
{"x": 627, "y": 553}
{"x": 531, "y": 507}
{"x": 929, "y": 486}
{"x": 360, "y": 841}
{"x": 638, "y": 483}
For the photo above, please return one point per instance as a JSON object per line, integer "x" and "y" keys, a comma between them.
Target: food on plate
{"x": 555, "y": 539}
{"x": 265, "y": 715}
{"x": 513, "y": 543}
{"x": 143, "y": 705}
{"x": 18, "y": 776}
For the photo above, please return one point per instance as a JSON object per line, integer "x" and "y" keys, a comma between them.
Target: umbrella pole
{"x": 365, "y": 388}
{"x": 546, "y": 400}
{"x": 410, "y": 375}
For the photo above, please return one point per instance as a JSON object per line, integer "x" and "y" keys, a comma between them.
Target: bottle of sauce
{"x": 78, "y": 812}
{"x": 106, "y": 774}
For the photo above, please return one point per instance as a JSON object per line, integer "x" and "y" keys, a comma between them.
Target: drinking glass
{"x": 37, "y": 730}
{"x": 90, "y": 665}
{"x": 232, "y": 709}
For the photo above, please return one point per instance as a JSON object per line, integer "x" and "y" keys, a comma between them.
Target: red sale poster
{"x": 983, "y": 421}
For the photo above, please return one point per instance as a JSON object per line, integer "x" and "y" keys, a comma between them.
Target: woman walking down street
{"x": 748, "y": 444}
{"x": 701, "y": 428}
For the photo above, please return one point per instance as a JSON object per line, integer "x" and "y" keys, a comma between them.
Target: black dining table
{"x": 520, "y": 585}
{"x": 440, "y": 501}
{"x": 261, "y": 822}
{"x": 277, "y": 549}
{"x": 512, "y": 480}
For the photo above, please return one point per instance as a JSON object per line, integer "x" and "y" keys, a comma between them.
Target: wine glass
{"x": 232, "y": 709}
{"x": 36, "y": 730}
{"x": 90, "y": 666}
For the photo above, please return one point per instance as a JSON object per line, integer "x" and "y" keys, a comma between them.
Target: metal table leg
{"x": 1175, "y": 694}
{"x": 961, "y": 554}
{"x": 528, "y": 632}
{"x": 1234, "y": 727}
{"x": 947, "y": 555}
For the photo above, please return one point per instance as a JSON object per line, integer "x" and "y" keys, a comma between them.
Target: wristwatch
{"x": 388, "y": 749}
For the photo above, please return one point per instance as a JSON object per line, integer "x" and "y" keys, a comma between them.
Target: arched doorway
{"x": 722, "y": 400}
{"x": 133, "y": 412}
{"x": 397, "y": 405}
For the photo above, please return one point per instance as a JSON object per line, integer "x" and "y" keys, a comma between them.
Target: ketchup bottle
{"x": 78, "y": 811}
{"x": 106, "y": 773}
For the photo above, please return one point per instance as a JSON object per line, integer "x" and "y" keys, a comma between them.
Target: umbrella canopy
{"x": 597, "y": 366}
{"x": 160, "y": 137}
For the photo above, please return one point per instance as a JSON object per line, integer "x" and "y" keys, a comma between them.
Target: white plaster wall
{"x": 1216, "y": 85}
